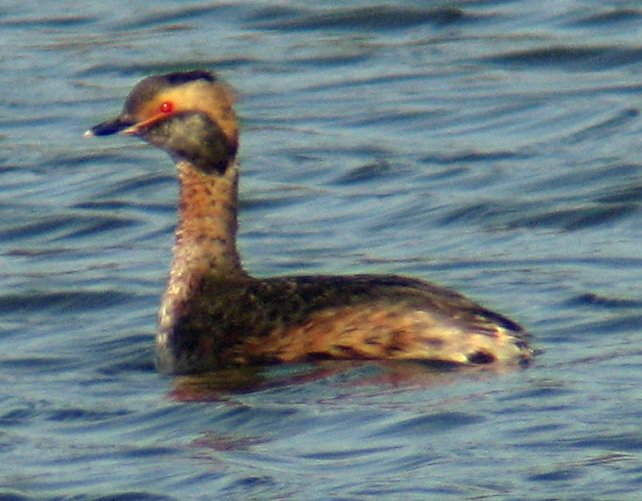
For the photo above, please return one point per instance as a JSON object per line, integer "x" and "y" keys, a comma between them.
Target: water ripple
{"x": 63, "y": 301}
{"x": 383, "y": 17}
{"x": 612, "y": 17}
{"x": 594, "y": 58}
{"x": 426, "y": 425}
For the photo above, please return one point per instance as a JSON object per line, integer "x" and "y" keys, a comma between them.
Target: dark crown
{"x": 181, "y": 77}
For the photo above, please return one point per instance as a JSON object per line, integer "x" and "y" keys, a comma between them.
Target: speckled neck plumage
{"x": 206, "y": 231}
{"x": 205, "y": 240}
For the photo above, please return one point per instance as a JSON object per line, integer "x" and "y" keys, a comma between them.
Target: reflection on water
{"x": 491, "y": 147}
{"x": 375, "y": 376}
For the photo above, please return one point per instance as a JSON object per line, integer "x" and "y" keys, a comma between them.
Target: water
{"x": 489, "y": 146}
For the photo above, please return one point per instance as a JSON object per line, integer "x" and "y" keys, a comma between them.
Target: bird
{"x": 214, "y": 315}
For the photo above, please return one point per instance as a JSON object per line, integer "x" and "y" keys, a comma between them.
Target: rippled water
{"x": 489, "y": 146}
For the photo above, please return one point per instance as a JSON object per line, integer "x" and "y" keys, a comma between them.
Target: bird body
{"x": 214, "y": 314}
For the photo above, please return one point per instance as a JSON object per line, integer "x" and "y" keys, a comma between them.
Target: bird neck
{"x": 206, "y": 232}
{"x": 205, "y": 240}
{"x": 205, "y": 243}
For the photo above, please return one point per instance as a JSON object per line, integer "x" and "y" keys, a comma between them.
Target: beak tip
{"x": 115, "y": 126}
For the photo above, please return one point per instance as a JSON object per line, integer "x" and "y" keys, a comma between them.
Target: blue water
{"x": 493, "y": 147}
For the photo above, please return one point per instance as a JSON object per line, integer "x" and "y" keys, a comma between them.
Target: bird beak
{"x": 123, "y": 124}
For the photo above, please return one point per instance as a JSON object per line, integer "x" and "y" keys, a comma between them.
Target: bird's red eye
{"x": 167, "y": 107}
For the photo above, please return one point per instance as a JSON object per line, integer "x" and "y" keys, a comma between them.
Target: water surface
{"x": 492, "y": 147}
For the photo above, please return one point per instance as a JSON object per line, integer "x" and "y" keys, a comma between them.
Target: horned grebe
{"x": 213, "y": 314}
